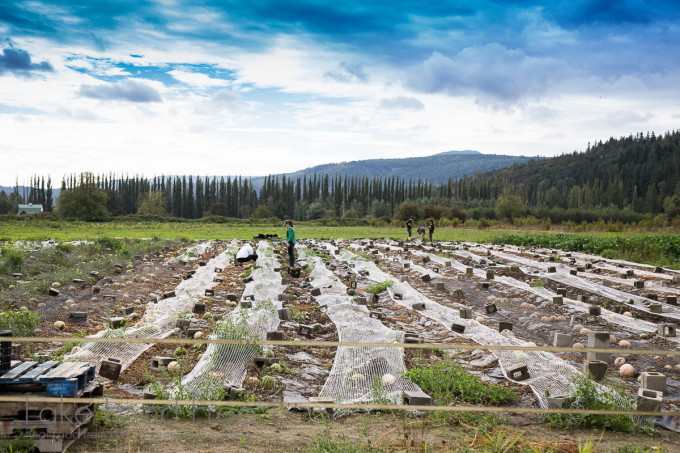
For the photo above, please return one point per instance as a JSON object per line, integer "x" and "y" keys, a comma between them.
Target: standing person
{"x": 290, "y": 241}
{"x": 430, "y": 227}
{"x": 419, "y": 231}
{"x": 409, "y": 226}
{"x": 246, "y": 253}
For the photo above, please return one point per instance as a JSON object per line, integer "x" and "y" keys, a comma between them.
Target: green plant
{"x": 325, "y": 443}
{"x": 538, "y": 283}
{"x": 500, "y": 442}
{"x": 380, "y": 287}
{"x": 12, "y": 260}
{"x": 589, "y": 395}
{"x": 297, "y": 316}
{"x": 447, "y": 380}
{"x": 22, "y": 323}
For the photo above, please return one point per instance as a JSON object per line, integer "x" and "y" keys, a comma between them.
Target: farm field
{"x": 352, "y": 290}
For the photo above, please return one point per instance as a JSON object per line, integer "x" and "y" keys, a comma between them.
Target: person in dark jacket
{"x": 409, "y": 227}
{"x": 419, "y": 231}
{"x": 290, "y": 241}
{"x": 430, "y": 227}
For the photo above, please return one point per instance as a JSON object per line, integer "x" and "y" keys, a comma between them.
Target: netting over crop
{"x": 548, "y": 372}
{"x": 222, "y": 364}
{"x": 159, "y": 318}
{"x": 359, "y": 374}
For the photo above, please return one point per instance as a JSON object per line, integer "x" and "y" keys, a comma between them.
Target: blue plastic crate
{"x": 62, "y": 387}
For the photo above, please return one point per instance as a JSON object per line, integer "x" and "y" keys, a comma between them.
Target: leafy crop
{"x": 380, "y": 287}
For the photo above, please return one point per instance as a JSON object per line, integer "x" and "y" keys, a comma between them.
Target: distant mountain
{"x": 436, "y": 168}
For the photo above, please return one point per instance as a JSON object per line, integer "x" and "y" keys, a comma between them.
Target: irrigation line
{"x": 333, "y": 344}
{"x": 287, "y": 405}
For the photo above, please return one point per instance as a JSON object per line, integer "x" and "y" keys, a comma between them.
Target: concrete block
{"x": 407, "y": 266}
{"x": 489, "y": 275}
{"x": 126, "y": 311}
{"x": 504, "y": 325}
{"x": 316, "y": 292}
{"x": 322, "y": 400}
{"x": 110, "y": 368}
{"x": 199, "y": 308}
{"x": 560, "y": 402}
{"x": 218, "y": 280}
{"x": 514, "y": 268}
{"x": 594, "y": 311}
{"x": 596, "y": 368}
{"x": 17, "y": 350}
{"x": 458, "y": 293}
{"x": 159, "y": 362}
{"x": 117, "y": 322}
{"x": 598, "y": 340}
{"x": 284, "y": 314}
{"x": 466, "y": 313}
{"x": 483, "y": 285}
{"x": 262, "y": 362}
{"x": 232, "y": 297}
{"x": 562, "y": 292}
{"x": 209, "y": 292}
{"x": 558, "y": 300}
{"x": 412, "y": 338}
{"x": 375, "y": 314}
{"x": 573, "y": 272}
{"x": 182, "y": 324}
{"x": 562, "y": 340}
{"x": 375, "y": 298}
{"x": 294, "y": 272}
{"x": 398, "y": 296}
{"x": 672, "y": 300}
{"x": 552, "y": 269}
{"x": 458, "y": 328}
{"x": 304, "y": 329}
{"x": 168, "y": 294}
{"x": 518, "y": 372}
{"x": 648, "y": 401}
{"x": 96, "y": 289}
{"x": 246, "y": 304}
{"x": 656, "y": 308}
{"x": 53, "y": 292}
{"x": 490, "y": 308}
{"x": 219, "y": 270}
{"x": 282, "y": 297}
{"x": 666, "y": 329}
{"x": 582, "y": 298}
{"x": 360, "y": 300}
{"x": 639, "y": 284}
{"x": 418, "y": 306}
{"x": 417, "y": 398}
{"x": 275, "y": 336}
{"x": 468, "y": 271}
{"x": 652, "y": 380}
{"x": 439, "y": 286}
{"x": 447, "y": 264}
{"x": 426, "y": 278}
{"x": 78, "y": 316}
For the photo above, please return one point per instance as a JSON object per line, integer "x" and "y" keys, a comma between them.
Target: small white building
{"x": 29, "y": 208}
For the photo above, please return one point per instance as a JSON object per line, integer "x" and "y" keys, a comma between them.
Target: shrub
{"x": 12, "y": 260}
{"x": 22, "y": 323}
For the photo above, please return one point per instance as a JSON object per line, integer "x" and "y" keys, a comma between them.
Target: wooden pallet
{"x": 52, "y": 427}
{"x": 59, "y": 379}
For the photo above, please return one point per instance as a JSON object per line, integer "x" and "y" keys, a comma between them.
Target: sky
{"x": 258, "y": 87}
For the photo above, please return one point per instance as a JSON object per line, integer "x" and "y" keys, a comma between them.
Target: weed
{"x": 447, "y": 380}
{"x": 325, "y": 443}
{"x": 588, "y": 395}
{"x": 297, "y": 316}
{"x": 12, "y": 260}
{"x": 380, "y": 287}
{"x": 538, "y": 283}
{"x": 22, "y": 323}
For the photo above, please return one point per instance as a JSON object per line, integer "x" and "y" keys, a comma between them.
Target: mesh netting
{"x": 159, "y": 318}
{"x": 548, "y": 372}
{"x": 359, "y": 374}
{"x": 222, "y": 364}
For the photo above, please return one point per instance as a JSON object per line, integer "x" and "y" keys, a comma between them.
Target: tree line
{"x": 624, "y": 178}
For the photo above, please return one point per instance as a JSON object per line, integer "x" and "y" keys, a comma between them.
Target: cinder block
{"x": 110, "y": 368}
{"x": 552, "y": 269}
{"x": 562, "y": 292}
{"x": 652, "y": 380}
{"x": 639, "y": 284}
{"x": 458, "y": 328}
{"x": 466, "y": 313}
{"x": 483, "y": 285}
{"x": 426, "y": 278}
{"x": 596, "y": 368}
{"x": 398, "y": 296}
{"x": 672, "y": 300}
{"x": 490, "y": 308}
{"x": 666, "y": 329}
{"x": 360, "y": 300}
{"x": 168, "y": 294}
{"x": 417, "y": 398}
{"x": 316, "y": 292}
{"x": 598, "y": 340}
{"x": 648, "y": 401}
{"x": 562, "y": 340}
{"x": 282, "y": 297}
{"x": 232, "y": 297}
{"x": 594, "y": 311}
{"x": 418, "y": 306}
{"x": 182, "y": 324}
{"x": 582, "y": 298}
{"x": 117, "y": 322}
{"x": 559, "y": 402}
{"x": 518, "y": 372}
{"x": 558, "y": 300}
{"x": 489, "y": 275}
{"x": 468, "y": 271}
{"x": 246, "y": 304}
{"x": 209, "y": 292}
{"x": 304, "y": 329}
{"x": 275, "y": 336}
{"x": 159, "y": 362}
{"x": 458, "y": 293}
{"x": 78, "y": 315}
{"x": 199, "y": 308}
{"x": 439, "y": 286}
{"x": 504, "y": 325}
{"x": 284, "y": 314}
{"x": 656, "y": 308}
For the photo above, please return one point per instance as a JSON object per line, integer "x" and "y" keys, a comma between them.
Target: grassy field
{"x": 651, "y": 248}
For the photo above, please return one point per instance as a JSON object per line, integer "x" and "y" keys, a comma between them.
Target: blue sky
{"x": 233, "y": 87}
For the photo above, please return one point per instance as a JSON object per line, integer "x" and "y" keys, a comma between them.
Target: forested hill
{"x": 639, "y": 171}
{"x": 437, "y": 168}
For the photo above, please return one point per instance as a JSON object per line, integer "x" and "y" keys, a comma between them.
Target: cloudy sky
{"x": 257, "y": 87}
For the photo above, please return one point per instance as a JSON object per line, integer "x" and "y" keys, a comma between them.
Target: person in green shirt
{"x": 290, "y": 241}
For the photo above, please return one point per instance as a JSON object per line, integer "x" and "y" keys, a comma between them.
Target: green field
{"x": 651, "y": 248}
